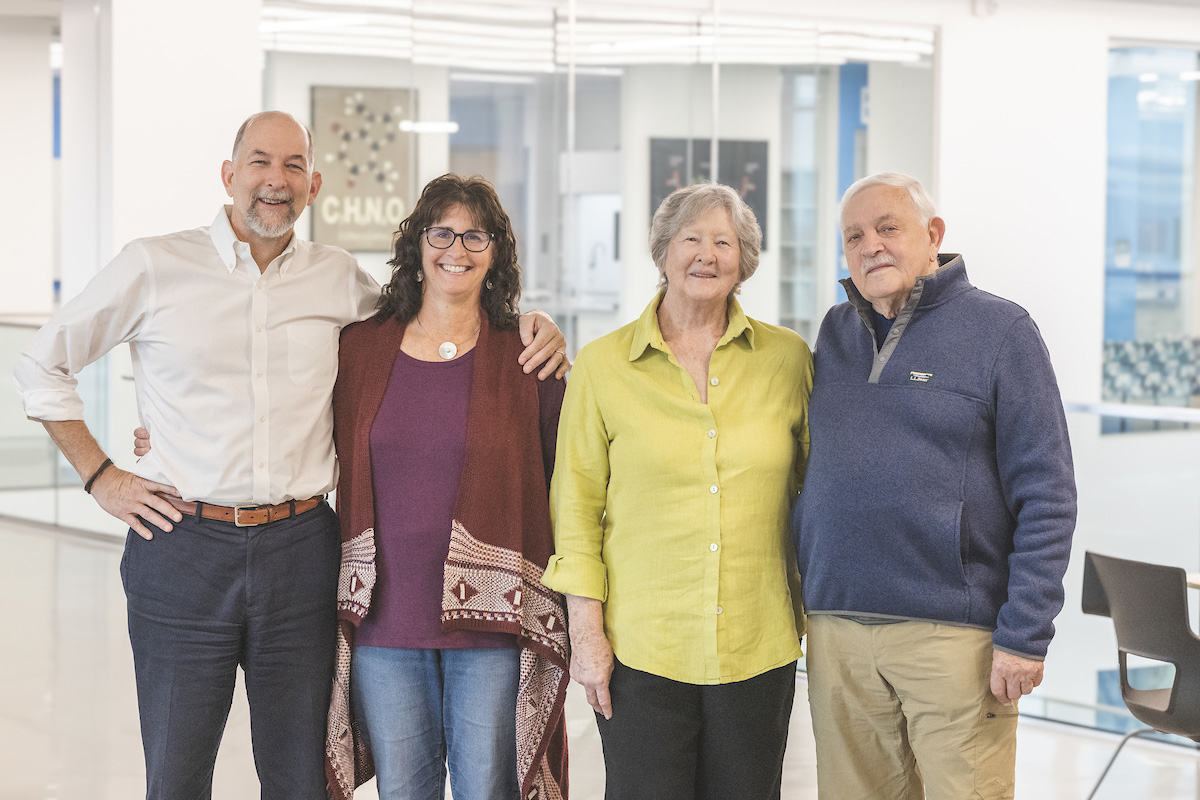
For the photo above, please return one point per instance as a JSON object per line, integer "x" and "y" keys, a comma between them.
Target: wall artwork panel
{"x": 682, "y": 162}
{"x": 365, "y": 161}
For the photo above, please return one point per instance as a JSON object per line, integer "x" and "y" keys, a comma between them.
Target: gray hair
{"x": 922, "y": 202}
{"x": 250, "y": 120}
{"x": 687, "y": 204}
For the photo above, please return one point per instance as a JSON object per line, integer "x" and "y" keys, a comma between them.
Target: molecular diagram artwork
{"x": 364, "y": 136}
{"x": 366, "y": 163}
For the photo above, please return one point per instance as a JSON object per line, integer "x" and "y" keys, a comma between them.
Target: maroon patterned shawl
{"x": 499, "y": 545}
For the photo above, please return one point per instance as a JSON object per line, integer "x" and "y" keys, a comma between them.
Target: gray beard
{"x": 267, "y": 231}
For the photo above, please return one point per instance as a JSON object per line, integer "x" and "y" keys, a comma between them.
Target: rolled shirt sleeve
{"x": 579, "y": 490}
{"x": 109, "y": 311}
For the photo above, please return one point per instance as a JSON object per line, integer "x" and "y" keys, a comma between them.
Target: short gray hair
{"x": 250, "y": 120}
{"x": 922, "y": 202}
{"x": 687, "y": 204}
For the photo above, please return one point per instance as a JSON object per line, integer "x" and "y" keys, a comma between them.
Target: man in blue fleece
{"x": 936, "y": 519}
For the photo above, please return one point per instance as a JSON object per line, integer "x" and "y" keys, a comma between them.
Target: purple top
{"x": 418, "y": 441}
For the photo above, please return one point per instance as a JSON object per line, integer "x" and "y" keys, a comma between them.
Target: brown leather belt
{"x": 246, "y": 516}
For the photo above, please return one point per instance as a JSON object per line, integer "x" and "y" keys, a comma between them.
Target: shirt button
{"x": 258, "y": 328}
{"x": 712, "y": 489}
{"x": 719, "y": 609}
{"x": 714, "y": 381}
{"x": 713, "y": 547}
{"x": 261, "y": 465}
{"x": 711, "y": 434}
{"x": 259, "y": 374}
{"x": 881, "y": 359}
{"x": 262, "y": 419}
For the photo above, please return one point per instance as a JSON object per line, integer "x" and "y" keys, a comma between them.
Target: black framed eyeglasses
{"x": 442, "y": 238}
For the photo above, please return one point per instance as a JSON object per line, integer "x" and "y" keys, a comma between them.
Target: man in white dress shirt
{"x": 232, "y": 556}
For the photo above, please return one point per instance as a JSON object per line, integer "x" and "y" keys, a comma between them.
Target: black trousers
{"x": 679, "y": 741}
{"x": 208, "y": 597}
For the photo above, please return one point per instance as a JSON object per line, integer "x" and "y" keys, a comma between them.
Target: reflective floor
{"x": 68, "y": 716}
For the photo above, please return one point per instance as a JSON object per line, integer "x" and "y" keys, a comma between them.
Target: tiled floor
{"x": 68, "y": 717}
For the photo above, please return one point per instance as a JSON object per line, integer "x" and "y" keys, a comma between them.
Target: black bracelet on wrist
{"x": 87, "y": 487}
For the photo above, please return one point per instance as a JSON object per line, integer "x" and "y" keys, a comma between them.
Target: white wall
{"x": 1021, "y": 191}
{"x": 899, "y": 140}
{"x": 153, "y": 94}
{"x": 183, "y": 78}
{"x": 27, "y": 137}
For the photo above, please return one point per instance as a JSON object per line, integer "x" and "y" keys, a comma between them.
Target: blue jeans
{"x": 423, "y": 709}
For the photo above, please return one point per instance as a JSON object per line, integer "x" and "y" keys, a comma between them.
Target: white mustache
{"x": 877, "y": 261}
{"x": 280, "y": 197}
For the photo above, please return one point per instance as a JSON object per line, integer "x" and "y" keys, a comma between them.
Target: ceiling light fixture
{"x": 409, "y": 126}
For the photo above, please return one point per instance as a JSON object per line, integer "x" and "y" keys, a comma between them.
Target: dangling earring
{"x": 487, "y": 284}
{"x": 420, "y": 275}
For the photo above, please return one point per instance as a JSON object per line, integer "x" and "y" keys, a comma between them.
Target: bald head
{"x": 273, "y": 115}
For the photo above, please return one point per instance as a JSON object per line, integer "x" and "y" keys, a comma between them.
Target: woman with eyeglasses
{"x": 451, "y": 651}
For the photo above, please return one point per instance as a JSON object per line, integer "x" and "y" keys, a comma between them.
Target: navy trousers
{"x": 209, "y": 597}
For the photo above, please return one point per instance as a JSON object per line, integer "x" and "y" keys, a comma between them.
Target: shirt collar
{"x": 646, "y": 332}
{"x": 228, "y": 245}
{"x": 223, "y": 238}
{"x": 949, "y": 278}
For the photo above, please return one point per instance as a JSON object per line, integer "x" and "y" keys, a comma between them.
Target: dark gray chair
{"x": 1148, "y": 606}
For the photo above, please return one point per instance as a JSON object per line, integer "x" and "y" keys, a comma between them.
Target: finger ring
{"x": 562, "y": 353}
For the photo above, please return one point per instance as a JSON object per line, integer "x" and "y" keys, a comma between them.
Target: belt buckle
{"x": 237, "y": 510}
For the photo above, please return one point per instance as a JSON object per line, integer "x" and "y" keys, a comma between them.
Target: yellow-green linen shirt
{"x": 675, "y": 513}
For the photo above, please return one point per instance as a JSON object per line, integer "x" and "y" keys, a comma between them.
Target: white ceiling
{"x": 31, "y": 8}
{"x": 1181, "y": 3}
{"x": 537, "y": 35}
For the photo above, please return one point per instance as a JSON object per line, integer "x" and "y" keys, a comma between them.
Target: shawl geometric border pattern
{"x": 356, "y": 578}
{"x": 488, "y": 583}
{"x": 348, "y": 762}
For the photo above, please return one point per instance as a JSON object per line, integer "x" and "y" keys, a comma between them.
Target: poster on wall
{"x": 363, "y": 158}
{"x": 682, "y": 162}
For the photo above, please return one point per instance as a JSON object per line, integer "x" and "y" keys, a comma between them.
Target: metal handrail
{"x": 1131, "y": 411}
{"x": 23, "y": 321}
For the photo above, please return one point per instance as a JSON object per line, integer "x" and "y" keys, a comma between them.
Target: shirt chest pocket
{"x": 312, "y": 354}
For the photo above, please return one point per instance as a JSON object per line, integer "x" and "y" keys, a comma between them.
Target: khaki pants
{"x": 903, "y": 712}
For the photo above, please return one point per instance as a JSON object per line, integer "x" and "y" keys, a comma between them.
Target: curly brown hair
{"x": 402, "y": 295}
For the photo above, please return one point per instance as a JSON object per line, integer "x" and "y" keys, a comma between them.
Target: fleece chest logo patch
{"x": 920, "y": 377}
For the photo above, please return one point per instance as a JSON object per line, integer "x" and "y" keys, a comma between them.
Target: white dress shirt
{"x": 233, "y": 370}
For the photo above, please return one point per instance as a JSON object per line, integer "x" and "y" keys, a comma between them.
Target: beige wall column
{"x": 26, "y": 140}
{"x": 153, "y": 93}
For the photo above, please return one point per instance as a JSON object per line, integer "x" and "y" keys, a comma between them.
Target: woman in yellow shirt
{"x": 681, "y": 448}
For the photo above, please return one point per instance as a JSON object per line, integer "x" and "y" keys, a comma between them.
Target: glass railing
{"x": 36, "y": 482}
{"x": 1138, "y": 499}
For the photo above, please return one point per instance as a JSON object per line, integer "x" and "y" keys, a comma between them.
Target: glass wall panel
{"x": 800, "y": 212}
{"x": 585, "y": 115}
{"x": 1151, "y": 353}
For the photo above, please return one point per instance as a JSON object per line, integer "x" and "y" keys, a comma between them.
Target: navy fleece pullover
{"x": 940, "y": 485}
